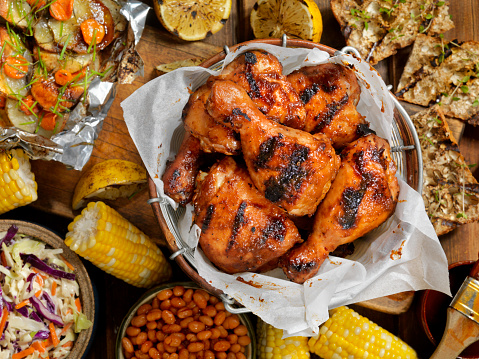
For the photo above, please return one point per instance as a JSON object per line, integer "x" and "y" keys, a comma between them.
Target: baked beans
{"x": 183, "y": 323}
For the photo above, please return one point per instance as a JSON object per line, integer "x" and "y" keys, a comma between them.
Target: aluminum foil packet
{"x": 74, "y": 144}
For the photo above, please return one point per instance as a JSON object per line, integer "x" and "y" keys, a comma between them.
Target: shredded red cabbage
{"x": 23, "y": 311}
{"x": 42, "y": 334}
{"x": 34, "y": 316}
{"x": 41, "y": 265}
{"x": 9, "y": 235}
{"x": 45, "y": 313}
{"x": 49, "y": 301}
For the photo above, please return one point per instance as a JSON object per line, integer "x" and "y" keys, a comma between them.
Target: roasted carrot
{"x": 53, "y": 334}
{"x": 78, "y": 304}
{"x": 29, "y": 106}
{"x": 22, "y": 303}
{"x": 65, "y": 328}
{"x": 92, "y": 30}
{"x": 61, "y": 10}
{"x": 54, "y": 288}
{"x": 62, "y": 77}
{"x": 48, "y": 121}
{"x": 23, "y": 353}
{"x": 4, "y": 320}
{"x": 16, "y": 67}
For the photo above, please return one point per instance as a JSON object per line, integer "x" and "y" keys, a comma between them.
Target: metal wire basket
{"x": 405, "y": 148}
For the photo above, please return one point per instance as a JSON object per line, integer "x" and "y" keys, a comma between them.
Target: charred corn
{"x": 17, "y": 181}
{"x": 101, "y": 235}
{"x": 346, "y": 334}
{"x": 272, "y": 346}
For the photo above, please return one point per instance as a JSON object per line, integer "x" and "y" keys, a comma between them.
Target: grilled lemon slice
{"x": 295, "y": 18}
{"x": 110, "y": 179}
{"x": 192, "y": 20}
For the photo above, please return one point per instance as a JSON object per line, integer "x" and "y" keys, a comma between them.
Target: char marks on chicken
{"x": 240, "y": 229}
{"x": 363, "y": 195}
{"x": 330, "y": 93}
{"x": 291, "y": 168}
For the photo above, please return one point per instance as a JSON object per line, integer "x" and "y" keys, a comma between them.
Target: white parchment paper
{"x": 403, "y": 254}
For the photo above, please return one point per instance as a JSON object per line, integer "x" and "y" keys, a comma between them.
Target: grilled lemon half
{"x": 193, "y": 20}
{"x": 295, "y": 18}
{"x": 110, "y": 179}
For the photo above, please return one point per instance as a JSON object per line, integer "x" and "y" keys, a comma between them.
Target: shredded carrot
{"x": 53, "y": 334}
{"x": 23, "y": 353}
{"x": 4, "y": 260}
{"x": 39, "y": 280}
{"x": 47, "y": 342}
{"x": 68, "y": 264}
{"x": 69, "y": 311}
{"x": 38, "y": 346}
{"x": 54, "y": 288}
{"x": 37, "y": 294}
{"x": 67, "y": 344}
{"x": 22, "y": 303}
{"x": 4, "y": 320}
{"x": 34, "y": 270}
{"x": 78, "y": 304}
{"x": 65, "y": 328}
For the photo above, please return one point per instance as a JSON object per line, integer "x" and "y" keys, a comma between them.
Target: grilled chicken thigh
{"x": 363, "y": 195}
{"x": 261, "y": 75}
{"x": 330, "y": 93}
{"x": 291, "y": 168}
{"x": 240, "y": 229}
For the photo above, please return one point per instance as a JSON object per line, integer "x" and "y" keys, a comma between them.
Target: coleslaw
{"x": 39, "y": 300}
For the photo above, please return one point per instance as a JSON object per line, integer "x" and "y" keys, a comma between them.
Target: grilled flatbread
{"x": 378, "y": 28}
{"x": 444, "y": 72}
{"x": 450, "y": 192}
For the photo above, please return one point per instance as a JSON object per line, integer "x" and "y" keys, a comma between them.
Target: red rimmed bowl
{"x": 434, "y": 306}
{"x": 409, "y": 163}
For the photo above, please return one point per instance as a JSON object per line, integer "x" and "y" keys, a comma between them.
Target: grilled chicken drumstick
{"x": 330, "y": 93}
{"x": 240, "y": 229}
{"x": 291, "y": 168}
{"x": 261, "y": 75}
{"x": 363, "y": 195}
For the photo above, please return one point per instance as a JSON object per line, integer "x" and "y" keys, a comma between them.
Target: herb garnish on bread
{"x": 450, "y": 192}
{"x": 446, "y": 72}
{"x": 378, "y": 28}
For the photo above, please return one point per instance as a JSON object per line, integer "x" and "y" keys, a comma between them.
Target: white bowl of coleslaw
{"x": 46, "y": 298}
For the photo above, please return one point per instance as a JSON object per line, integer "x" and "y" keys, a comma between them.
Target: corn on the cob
{"x": 346, "y": 334}
{"x": 101, "y": 235}
{"x": 272, "y": 346}
{"x": 17, "y": 181}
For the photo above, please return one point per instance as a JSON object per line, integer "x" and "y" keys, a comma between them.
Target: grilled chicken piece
{"x": 240, "y": 229}
{"x": 330, "y": 93}
{"x": 291, "y": 168}
{"x": 363, "y": 195}
{"x": 261, "y": 75}
{"x": 179, "y": 176}
{"x": 214, "y": 137}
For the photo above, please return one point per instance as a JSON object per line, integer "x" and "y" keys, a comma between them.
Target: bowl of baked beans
{"x": 184, "y": 321}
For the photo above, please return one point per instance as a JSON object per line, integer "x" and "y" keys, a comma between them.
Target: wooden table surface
{"x": 56, "y": 183}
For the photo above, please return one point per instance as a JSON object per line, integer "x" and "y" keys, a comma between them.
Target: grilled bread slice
{"x": 378, "y": 28}
{"x": 450, "y": 192}
{"x": 445, "y": 72}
